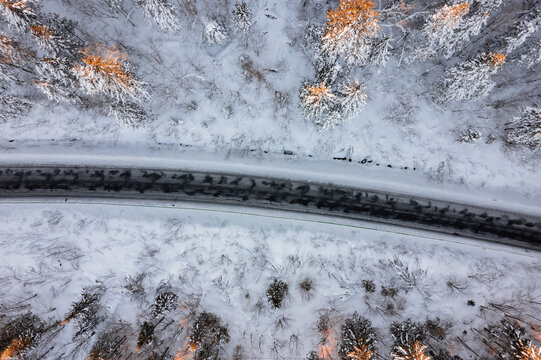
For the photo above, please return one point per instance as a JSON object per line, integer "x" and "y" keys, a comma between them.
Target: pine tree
{"x": 414, "y": 351}
{"x": 207, "y": 336}
{"x": 352, "y": 98}
{"x": 358, "y": 339}
{"x": 520, "y": 346}
{"x": 525, "y": 129}
{"x": 19, "y": 335}
{"x": 469, "y": 80}
{"x": 319, "y": 104}
{"x": 165, "y": 301}
{"x": 56, "y": 36}
{"x": 104, "y": 71}
{"x": 162, "y": 13}
{"x": 521, "y": 30}
{"x": 85, "y": 311}
{"x": 56, "y": 80}
{"x": 242, "y": 17}
{"x": 350, "y": 29}
{"x": 19, "y": 14}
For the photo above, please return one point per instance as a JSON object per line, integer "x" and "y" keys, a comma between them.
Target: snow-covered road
{"x": 275, "y": 193}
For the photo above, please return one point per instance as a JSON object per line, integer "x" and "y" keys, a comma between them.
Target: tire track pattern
{"x": 283, "y": 194}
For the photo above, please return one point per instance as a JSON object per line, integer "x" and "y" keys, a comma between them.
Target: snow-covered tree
{"x": 358, "y": 339}
{"x": 318, "y": 103}
{"x": 379, "y": 54}
{"x": 19, "y": 14}
{"x": 350, "y": 29}
{"x": 521, "y": 30}
{"x": 19, "y": 335}
{"x": 441, "y": 28}
{"x": 525, "y": 129}
{"x": 13, "y": 107}
{"x": 56, "y": 36}
{"x": 242, "y": 17}
{"x": 215, "y": 32}
{"x": 163, "y": 13}
{"x": 105, "y": 71}
{"x": 414, "y": 351}
{"x": 56, "y": 80}
{"x": 469, "y": 80}
{"x": 128, "y": 113}
{"x": 532, "y": 55}
{"x": 352, "y": 98}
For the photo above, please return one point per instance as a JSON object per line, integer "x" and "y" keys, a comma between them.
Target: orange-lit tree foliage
{"x": 361, "y": 352}
{"x": 18, "y": 13}
{"x": 104, "y": 71}
{"x": 414, "y": 351}
{"x": 350, "y": 29}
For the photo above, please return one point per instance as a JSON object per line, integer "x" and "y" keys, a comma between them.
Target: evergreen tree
{"x": 19, "y": 14}
{"x": 350, "y": 29}
{"x": 242, "y": 17}
{"x": 162, "y": 13}
{"x": 105, "y": 71}
{"x": 469, "y": 80}
{"x": 19, "y": 335}
{"x": 358, "y": 339}
{"x": 56, "y": 80}
{"x": 525, "y": 129}
{"x": 318, "y": 103}
{"x": 207, "y": 336}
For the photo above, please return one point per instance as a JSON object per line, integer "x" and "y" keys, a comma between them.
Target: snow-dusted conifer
{"x": 13, "y": 107}
{"x": 242, "y": 17}
{"x": 128, "y": 113}
{"x": 441, "y": 28}
{"x": 358, "y": 339}
{"x": 525, "y": 129}
{"x": 56, "y": 35}
{"x": 350, "y": 29}
{"x": 520, "y": 31}
{"x": 469, "y": 80}
{"x": 532, "y": 55}
{"x": 215, "y": 32}
{"x": 56, "y": 80}
{"x": 105, "y": 71}
{"x": 379, "y": 54}
{"x": 319, "y": 104}
{"x": 163, "y": 13}
{"x": 352, "y": 98}
{"x": 19, "y": 335}
{"x": 19, "y": 14}
{"x": 11, "y": 52}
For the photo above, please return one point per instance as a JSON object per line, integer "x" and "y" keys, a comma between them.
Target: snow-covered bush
{"x": 525, "y": 129}
{"x": 163, "y": 13}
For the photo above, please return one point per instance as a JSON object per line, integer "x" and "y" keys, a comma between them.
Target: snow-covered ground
{"x": 222, "y": 259}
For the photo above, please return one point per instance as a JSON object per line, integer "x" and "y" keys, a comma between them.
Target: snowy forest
{"x": 450, "y": 88}
{"x": 447, "y": 88}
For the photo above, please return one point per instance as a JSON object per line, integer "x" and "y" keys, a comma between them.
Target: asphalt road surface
{"x": 275, "y": 193}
